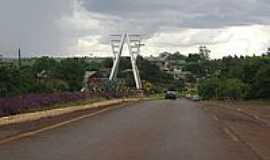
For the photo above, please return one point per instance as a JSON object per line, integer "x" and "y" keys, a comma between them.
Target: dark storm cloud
{"x": 162, "y": 16}
{"x": 52, "y": 27}
{"x": 186, "y": 13}
{"x": 33, "y": 26}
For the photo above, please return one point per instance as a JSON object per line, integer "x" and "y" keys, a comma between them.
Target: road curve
{"x": 153, "y": 130}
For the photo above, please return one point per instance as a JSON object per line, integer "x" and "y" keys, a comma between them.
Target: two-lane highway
{"x": 150, "y": 130}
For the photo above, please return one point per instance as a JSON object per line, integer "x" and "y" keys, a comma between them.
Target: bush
{"x": 148, "y": 88}
{"x": 10, "y": 81}
{"x": 19, "y": 104}
{"x": 233, "y": 88}
{"x": 223, "y": 88}
{"x": 262, "y": 83}
{"x": 209, "y": 88}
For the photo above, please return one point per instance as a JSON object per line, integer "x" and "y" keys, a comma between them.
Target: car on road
{"x": 170, "y": 94}
{"x": 196, "y": 98}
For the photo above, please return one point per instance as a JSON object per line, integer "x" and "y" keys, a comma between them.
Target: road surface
{"x": 153, "y": 130}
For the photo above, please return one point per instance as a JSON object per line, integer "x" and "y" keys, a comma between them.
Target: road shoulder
{"x": 18, "y": 125}
{"x": 246, "y": 126}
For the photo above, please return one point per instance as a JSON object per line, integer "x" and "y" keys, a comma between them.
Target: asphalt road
{"x": 177, "y": 130}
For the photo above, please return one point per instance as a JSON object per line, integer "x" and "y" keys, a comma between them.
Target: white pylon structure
{"x": 133, "y": 42}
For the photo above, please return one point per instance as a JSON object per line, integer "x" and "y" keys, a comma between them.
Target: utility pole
{"x": 268, "y": 52}
{"x": 19, "y": 58}
{"x": 134, "y": 44}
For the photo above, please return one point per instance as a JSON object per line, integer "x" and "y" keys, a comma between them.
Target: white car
{"x": 196, "y": 98}
{"x": 170, "y": 95}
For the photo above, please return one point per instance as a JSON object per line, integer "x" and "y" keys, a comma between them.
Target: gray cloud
{"x": 185, "y": 13}
{"x": 56, "y": 27}
{"x": 33, "y": 26}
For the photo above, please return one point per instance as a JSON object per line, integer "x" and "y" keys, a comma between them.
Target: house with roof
{"x": 92, "y": 81}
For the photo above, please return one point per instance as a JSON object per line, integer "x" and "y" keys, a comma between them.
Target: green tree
{"x": 209, "y": 88}
{"x": 107, "y": 63}
{"x": 176, "y": 56}
{"x": 194, "y": 58}
{"x": 222, "y": 88}
{"x": 197, "y": 69}
{"x": 47, "y": 65}
{"x": 72, "y": 70}
{"x": 262, "y": 82}
{"x": 151, "y": 72}
{"x": 93, "y": 66}
{"x": 233, "y": 88}
{"x": 9, "y": 80}
{"x": 27, "y": 79}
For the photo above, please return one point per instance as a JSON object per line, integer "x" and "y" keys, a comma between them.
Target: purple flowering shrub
{"x": 24, "y": 103}
{"x": 19, "y": 104}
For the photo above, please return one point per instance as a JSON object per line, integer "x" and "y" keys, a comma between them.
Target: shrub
{"x": 223, "y": 88}
{"x": 209, "y": 88}
{"x": 19, "y": 104}
{"x": 262, "y": 83}
{"x": 233, "y": 88}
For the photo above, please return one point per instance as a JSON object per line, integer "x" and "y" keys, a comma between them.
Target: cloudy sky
{"x": 82, "y": 27}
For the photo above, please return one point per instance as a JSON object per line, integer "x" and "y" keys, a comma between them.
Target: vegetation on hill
{"x": 230, "y": 77}
{"x": 237, "y": 78}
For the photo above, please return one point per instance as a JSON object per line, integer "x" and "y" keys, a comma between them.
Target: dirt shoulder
{"x": 248, "y": 121}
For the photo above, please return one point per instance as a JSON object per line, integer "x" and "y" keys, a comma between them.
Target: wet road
{"x": 149, "y": 130}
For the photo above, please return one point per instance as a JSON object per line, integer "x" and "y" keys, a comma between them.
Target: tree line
{"x": 48, "y": 75}
{"x": 233, "y": 77}
{"x": 237, "y": 78}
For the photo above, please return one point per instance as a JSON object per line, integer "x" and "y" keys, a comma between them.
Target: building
{"x": 162, "y": 62}
{"x": 170, "y": 65}
{"x": 180, "y": 74}
{"x": 93, "y": 80}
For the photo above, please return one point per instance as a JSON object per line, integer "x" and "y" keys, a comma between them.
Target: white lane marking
{"x": 231, "y": 134}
